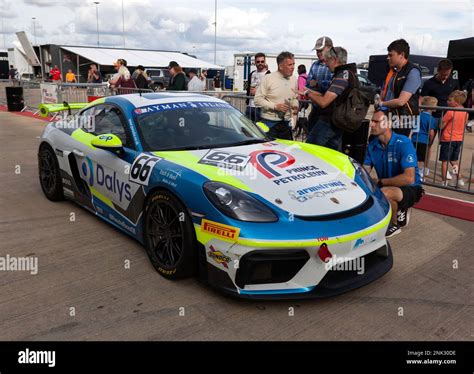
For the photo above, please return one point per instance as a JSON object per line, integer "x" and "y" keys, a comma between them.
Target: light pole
{"x": 34, "y": 27}
{"x": 215, "y": 32}
{"x": 123, "y": 24}
{"x": 3, "y": 32}
{"x": 97, "y": 16}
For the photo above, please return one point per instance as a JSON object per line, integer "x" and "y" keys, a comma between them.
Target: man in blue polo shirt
{"x": 394, "y": 158}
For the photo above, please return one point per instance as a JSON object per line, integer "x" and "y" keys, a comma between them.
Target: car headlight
{"x": 364, "y": 175}
{"x": 237, "y": 204}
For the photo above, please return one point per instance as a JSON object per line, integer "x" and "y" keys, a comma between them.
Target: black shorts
{"x": 411, "y": 195}
{"x": 450, "y": 151}
{"x": 421, "y": 151}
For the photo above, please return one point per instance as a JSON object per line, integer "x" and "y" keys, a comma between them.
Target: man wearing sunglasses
{"x": 255, "y": 78}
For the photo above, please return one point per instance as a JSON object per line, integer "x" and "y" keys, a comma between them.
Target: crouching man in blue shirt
{"x": 394, "y": 158}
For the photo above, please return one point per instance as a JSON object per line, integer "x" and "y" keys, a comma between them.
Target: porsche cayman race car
{"x": 207, "y": 192}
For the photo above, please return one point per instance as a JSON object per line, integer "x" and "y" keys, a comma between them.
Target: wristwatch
{"x": 306, "y": 93}
{"x": 379, "y": 183}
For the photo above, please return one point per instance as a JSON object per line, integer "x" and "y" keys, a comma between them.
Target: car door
{"x": 106, "y": 172}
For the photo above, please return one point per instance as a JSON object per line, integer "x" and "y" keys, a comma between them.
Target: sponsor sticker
{"x": 275, "y": 165}
{"x": 220, "y": 230}
{"x": 224, "y": 159}
{"x": 219, "y": 257}
{"x": 157, "y": 108}
{"x": 142, "y": 167}
{"x": 318, "y": 190}
{"x": 362, "y": 242}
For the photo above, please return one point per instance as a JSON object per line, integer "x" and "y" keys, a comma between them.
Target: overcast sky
{"x": 362, "y": 27}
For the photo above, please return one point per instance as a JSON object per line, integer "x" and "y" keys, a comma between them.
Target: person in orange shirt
{"x": 452, "y": 135}
{"x": 70, "y": 77}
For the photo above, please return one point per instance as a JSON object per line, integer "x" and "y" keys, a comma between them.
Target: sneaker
{"x": 392, "y": 230}
{"x": 403, "y": 217}
{"x": 460, "y": 183}
{"x": 448, "y": 176}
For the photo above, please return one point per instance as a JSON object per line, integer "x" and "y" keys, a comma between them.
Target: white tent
{"x": 135, "y": 57}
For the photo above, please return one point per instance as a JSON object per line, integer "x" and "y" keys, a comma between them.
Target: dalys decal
{"x": 103, "y": 178}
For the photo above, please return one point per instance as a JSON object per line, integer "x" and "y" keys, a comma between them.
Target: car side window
{"x": 86, "y": 120}
{"x": 110, "y": 120}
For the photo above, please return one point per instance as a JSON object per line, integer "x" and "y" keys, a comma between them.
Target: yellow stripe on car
{"x": 83, "y": 137}
{"x": 101, "y": 197}
{"x": 297, "y": 243}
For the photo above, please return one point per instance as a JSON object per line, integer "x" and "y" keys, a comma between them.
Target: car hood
{"x": 302, "y": 179}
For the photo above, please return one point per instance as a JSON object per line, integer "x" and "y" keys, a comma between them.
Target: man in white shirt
{"x": 276, "y": 96}
{"x": 195, "y": 84}
{"x": 255, "y": 78}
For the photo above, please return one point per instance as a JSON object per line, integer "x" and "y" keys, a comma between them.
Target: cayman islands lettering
{"x": 186, "y": 105}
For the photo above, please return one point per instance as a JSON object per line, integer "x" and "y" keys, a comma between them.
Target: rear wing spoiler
{"x": 46, "y": 109}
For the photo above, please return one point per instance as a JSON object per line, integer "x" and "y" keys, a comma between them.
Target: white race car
{"x": 208, "y": 192}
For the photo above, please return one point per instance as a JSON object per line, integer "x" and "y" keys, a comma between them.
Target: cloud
{"x": 363, "y": 28}
{"x": 53, "y": 3}
{"x": 371, "y": 29}
{"x": 7, "y": 11}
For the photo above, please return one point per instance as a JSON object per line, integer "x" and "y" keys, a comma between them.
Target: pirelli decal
{"x": 220, "y": 230}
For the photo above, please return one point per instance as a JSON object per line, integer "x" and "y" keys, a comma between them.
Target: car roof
{"x": 146, "y": 99}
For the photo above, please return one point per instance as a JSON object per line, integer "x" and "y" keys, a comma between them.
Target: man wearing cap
{"x": 324, "y": 132}
{"x": 195, "y": 84}
{"x": 178, "y": 79}
{"x": 319, "y": 77}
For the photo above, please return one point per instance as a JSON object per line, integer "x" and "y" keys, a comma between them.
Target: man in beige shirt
{"x": 276, "y": 96}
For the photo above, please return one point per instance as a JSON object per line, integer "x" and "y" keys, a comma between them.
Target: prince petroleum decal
{"x": 268, "y": 162}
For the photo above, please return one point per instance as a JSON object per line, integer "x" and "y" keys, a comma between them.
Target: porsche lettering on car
{"x": 208, "y": 193}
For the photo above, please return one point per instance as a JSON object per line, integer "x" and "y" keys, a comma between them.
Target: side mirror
{"x": 263, "y": 127}
{"x": 108, "y": 142}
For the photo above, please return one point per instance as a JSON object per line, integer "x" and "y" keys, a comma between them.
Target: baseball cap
{"x": 323, "y": 41}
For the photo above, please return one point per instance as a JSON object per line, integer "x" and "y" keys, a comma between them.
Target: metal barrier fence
{"x": 435, "y": 172}
{"x": 453, "y": 140}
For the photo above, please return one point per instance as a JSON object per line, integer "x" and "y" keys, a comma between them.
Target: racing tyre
{"x": 169, "y": 236}
{"x": 50, "y": 173}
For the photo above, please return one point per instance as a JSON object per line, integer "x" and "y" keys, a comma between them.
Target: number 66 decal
{"x": 141, "y": 168}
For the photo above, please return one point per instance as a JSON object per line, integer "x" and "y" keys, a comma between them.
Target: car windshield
{"x": 195, "y": 125}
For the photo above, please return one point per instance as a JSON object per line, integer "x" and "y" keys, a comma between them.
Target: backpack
{"x": 350, "y": 109}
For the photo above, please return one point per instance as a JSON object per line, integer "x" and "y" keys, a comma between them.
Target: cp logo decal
{"x": 260, "y": 160}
